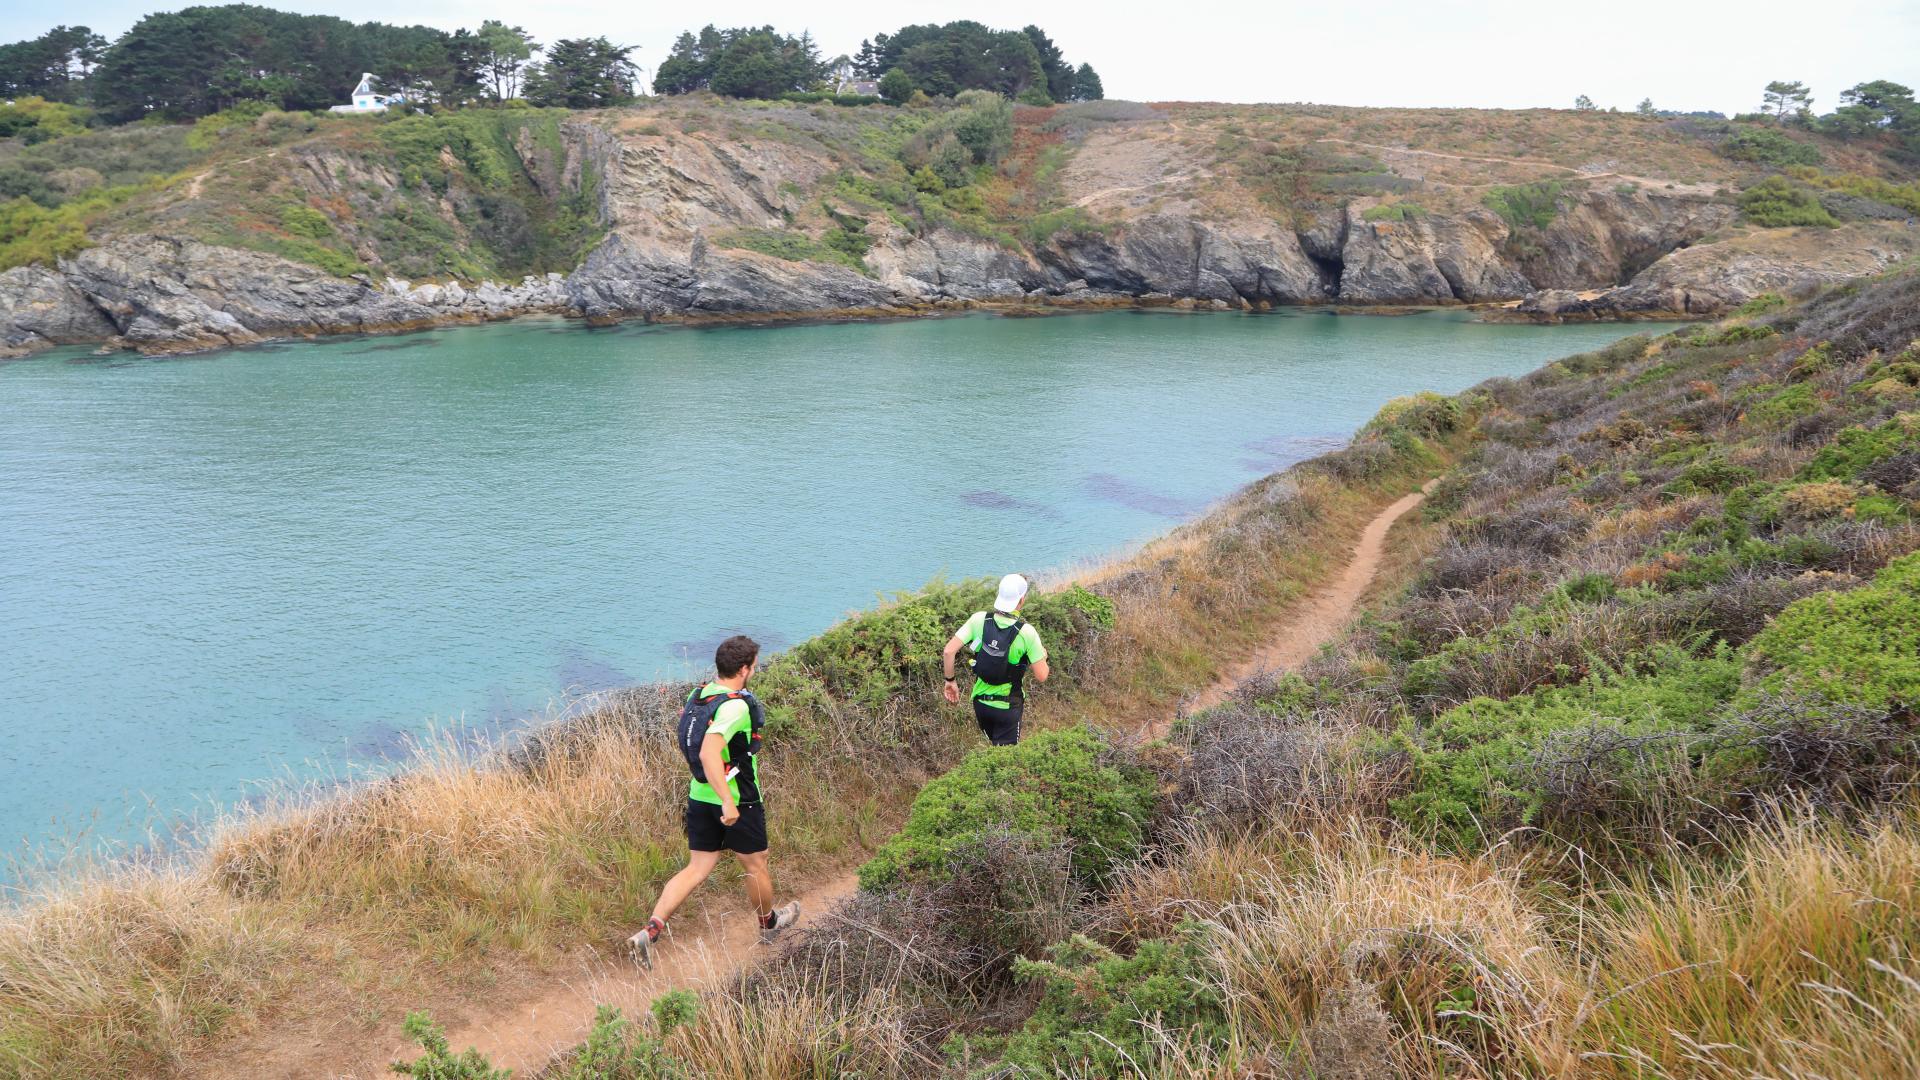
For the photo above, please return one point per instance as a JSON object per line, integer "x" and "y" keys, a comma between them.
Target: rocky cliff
{"x": 703, "y": 220}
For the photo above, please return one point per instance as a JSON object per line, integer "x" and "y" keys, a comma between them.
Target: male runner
{"x": 719, "y": 735}
{"x": 1004, "y": 648}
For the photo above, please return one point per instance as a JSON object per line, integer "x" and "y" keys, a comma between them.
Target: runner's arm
{"x": 951, "y": 690}
{"x": 711, "y": 749}
{"x": 1038, "y": 651}
{"x": 952, "y": 650}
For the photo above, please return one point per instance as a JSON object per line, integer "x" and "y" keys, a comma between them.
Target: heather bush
{"x": 1553, "y": 643}
{"x": 1840, "y": 755}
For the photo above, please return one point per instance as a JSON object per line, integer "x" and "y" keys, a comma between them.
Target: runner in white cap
{"x": 1004, "y": 648}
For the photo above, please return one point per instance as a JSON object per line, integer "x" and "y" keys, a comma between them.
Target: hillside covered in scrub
{"x": 1617, "y": 780}
{"x": 251, "y": 224}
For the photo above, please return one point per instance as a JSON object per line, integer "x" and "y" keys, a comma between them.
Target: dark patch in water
{"x": 381, "y": 742}
{"x": 1276, "y": 452}
{"x": 1110, "y": 488}
{"x": 580, "y": 672}
{"x": 1000, "y": 500}
{"x": 397, "y": 346}
{"x": 699, "y": 651}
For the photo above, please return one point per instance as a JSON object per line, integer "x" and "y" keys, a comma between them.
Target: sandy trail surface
{"x": 1319, "y": 618}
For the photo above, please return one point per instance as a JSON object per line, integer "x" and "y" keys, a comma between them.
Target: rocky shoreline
{"x": 677, "y": 215}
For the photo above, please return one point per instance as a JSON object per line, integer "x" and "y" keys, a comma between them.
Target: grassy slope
{"x": 1617, "y": 782}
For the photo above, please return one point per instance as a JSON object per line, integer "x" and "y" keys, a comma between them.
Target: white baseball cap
{"x": 1013, "y": 589}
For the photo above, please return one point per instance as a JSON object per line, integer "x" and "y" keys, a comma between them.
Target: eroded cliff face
{"x": 1168, "y": 228}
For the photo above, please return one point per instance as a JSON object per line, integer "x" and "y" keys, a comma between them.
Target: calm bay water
{"x": 284, "y": 561}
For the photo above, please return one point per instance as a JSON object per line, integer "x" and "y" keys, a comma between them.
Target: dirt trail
{"x": 700, "y": 950}
{"x": 1319, "y": 619}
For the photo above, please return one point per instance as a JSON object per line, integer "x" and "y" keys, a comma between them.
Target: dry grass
{"x": 1347, "y": 951}
{"x": 1794, "y": 958}
{"x": 118, "y": 975}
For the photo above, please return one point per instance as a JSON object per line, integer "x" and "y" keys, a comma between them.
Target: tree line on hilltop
{"x": 198, "y": 61}
{"x": 1867, "y": 110}
{"x": 185, "y": 64}
{"x": 938, "y": 61}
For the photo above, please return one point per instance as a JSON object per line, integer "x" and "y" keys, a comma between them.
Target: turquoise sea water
{"x": 285, "y": 561}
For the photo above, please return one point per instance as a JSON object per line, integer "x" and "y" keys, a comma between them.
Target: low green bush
{"x": 1768, "y": 146}
{"x": 1057, "y": 787}
{"x": 1713, "y": 473}
{"x": 1426, "y": 414}
{"x": 1860, "y": 647}
{"x": 1776, "y": 203}
{"x": 1486, "y": 766}
{"x": 1735, "y": 334}
{"x": 1527, "y": 206}
{"x": 306, "y": 221}
{"x": 440, "y": 1062}
{"x": 1760, "y": 305}
{"x": 1857, "y": 449}
{"x": 1072, "y": 221}
{"x": 879, "y": 656}
{"x": 1103, "y": 1014}
{"x": 1400, "y": 211}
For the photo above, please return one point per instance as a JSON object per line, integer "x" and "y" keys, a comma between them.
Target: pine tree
{"x": 1086, "y": 84}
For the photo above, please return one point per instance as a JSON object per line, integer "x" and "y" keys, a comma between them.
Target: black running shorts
{"x": 1002, "y": 726}
{"x": 744, "y": 837}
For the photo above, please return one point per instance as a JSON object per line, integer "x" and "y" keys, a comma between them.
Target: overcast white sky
{"x": 1685, "y": 54}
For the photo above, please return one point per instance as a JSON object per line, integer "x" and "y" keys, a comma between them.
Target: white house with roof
{"x": 368, "y": 100}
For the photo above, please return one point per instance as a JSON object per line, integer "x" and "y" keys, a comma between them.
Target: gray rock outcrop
{"x": 686, "y": 217}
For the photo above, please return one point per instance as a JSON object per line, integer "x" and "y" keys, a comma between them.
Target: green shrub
{"x": 1399, "y": 211}
{"x": 792, "y": 246}
{"x": 32, "y": 233}
{"x": 1426, "y": 414}
{"x": 1477, "y": 769}
{"x": 1527, "y": 206}
{"x": 1072, "y": 221}
{"x": 1786, "y": 406}
{"x": 1057, "y": 787}
{"x": 1768, "y": 146}
{"x": 35, "y": 120}
{"x": 1760, "y": 305}
{"x": 879, "y": 656}
{"x": 614, "y": 1050}
{"x": 306, "y": 221}
{"x": 208, "y": 130}
{"x": 1714, "y": 473}
{"x": 1102, "y": 1014}
{"x": 1589, "y": 589}
{"x": 439, "y": 1062}
{"x": 1856, "y": 449}
{"x": 1905, "y": 196}
{"x": 1776, "y": 203}
{"x": 1860, "y": 647}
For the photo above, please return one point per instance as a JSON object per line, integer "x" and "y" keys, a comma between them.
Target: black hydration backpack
{"x": 990, "y": 661}
{"x": 742, "y": 749}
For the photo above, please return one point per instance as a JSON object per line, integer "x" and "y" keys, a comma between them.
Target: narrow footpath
{"x": 706, "y": 948}
{"x": 1320, "y": 618}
